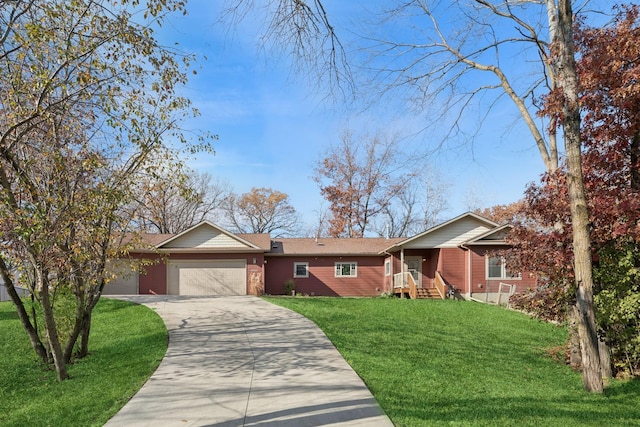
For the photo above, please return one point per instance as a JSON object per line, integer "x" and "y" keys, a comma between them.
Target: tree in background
{"x": 359, "y": 178}
{"x": 171, "y": 200}
{"x": 262, "y": 210}
{"x": 503, "y": 214}
{"x": 87, "y": 97}
{"x": 608, "y": 72}
{"x": 414, "y": 208}
{"x": 462, "y": 71}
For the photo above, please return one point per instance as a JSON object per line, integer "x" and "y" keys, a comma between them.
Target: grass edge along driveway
{"x": 431, "y": 363}
{"x": 128, "y": 342}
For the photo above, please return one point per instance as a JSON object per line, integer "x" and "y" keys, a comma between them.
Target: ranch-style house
{"x": 458, "y": 254}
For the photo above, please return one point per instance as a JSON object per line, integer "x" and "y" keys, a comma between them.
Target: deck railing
{"x": 406, "y": 284}
{"x": 440, "y": 285}
{"x": 413, "y": 288}
{"x": 399, "y": 280}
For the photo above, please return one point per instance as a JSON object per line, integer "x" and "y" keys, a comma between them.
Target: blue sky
{"x": 273, "y": 126}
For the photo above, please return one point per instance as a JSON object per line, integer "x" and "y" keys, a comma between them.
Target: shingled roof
{"x": 330, "y": 246}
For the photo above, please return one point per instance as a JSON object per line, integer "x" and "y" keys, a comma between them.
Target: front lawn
{"x": 127, "y": 344}
{"x": 464, "y": 364}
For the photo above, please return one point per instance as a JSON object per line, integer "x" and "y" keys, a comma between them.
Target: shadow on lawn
{"x": 9, "y": 315}
{"x": 624, "y": 388}
{"x": 580, "y": 410}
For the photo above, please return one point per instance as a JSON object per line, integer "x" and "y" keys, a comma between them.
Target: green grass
{"x": 432, "y": 363}
{"x": 127, "y": 344}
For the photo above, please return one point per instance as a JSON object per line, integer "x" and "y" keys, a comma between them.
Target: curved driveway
{"x": 241, "y": 361}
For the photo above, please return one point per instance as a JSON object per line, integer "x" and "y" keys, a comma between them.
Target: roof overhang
{"x": 484, "y": 239}
{"x": 432, "y": 230}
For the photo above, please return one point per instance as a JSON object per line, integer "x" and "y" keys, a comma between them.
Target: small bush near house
{"x": 289, "y": 287}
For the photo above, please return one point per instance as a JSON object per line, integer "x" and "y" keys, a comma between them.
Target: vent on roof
{"x": 320, "y": 243}
{"x": 274, "y": 245}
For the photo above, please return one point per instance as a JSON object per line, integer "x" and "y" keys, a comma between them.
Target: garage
{"x": 207, "y": 277}
{"x": 124, "y": 278}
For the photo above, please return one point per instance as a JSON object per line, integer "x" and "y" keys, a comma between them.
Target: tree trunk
{"x": 575, "y": 356}
{"x": 32, "y": 332}
{"x": 37, "y": 345}
{"x": 75, "y": 333}
{"x": 52, "y": 332}
{"x": 83, "y": 351}
{"x": 568, "y": 81}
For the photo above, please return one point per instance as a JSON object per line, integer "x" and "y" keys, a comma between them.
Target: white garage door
{"x": 125, "y": 281}
{"x": 207, "y": 277}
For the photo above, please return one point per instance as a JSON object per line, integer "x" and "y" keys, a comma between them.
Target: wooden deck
{"x": 405, "y": 287}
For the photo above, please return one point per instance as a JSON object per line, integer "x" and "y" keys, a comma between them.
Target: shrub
{"x": 618, "y": 305}
{"x": 289, "y": 287}
{"x": 547, "y": 302}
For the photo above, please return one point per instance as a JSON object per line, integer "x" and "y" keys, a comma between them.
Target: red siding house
{"x": 208, "y": 260}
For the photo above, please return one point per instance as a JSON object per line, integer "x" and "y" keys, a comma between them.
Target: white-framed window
{"x": 300, "y": 269}
{"x": 497, "y": 269}
{"x": 346, "y": 269}
{"x": 387, "y": 267}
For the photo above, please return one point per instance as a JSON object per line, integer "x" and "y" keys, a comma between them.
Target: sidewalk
{"x": 241, "y": 361}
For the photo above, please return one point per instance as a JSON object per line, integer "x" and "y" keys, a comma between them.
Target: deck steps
{"x": 421, "y": 293}
{"x": 430, "y": 293}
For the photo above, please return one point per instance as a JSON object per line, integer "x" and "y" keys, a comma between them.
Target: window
{"x": 497, "y": 269}
{"x": 346, "y": 269}
{"x": 387, "y": 267}
{"x": 300, "y": 269}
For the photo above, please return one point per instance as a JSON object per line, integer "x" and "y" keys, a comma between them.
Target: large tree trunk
{"x": 568, "y": 81}
{"x": 575, "y": 356}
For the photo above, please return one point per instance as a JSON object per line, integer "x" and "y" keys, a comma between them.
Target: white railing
{"x": 400, "y": 280}
{"x": 405, "y": 281}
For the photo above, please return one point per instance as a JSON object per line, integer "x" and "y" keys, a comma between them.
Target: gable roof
{"x": 330, "y": 246}
{"x": 466, "y": 229}
{"x": 210, "y": 237}
{"x": 449, "y": 234}
{"x": 491, "y": 237}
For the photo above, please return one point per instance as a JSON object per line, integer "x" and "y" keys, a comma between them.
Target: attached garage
{"x": 207, "y": 277}
{"x": 125, "y": 280}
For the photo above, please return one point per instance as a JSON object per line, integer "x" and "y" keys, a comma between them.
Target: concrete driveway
{"x": 241, "y": 361}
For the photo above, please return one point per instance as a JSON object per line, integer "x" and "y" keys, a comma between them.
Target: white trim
{"x": 419, "y": 270}
{"x": 479, "y": 240}
{"x": 352, "y": 269}
{"x": 503, "y": 270}
{"x": 295, "y": 270}
{"x": 387, "y": 267}
{"x": 490, "y": 224}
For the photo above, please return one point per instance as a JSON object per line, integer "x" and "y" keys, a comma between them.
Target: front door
{"x": 414, "y": 266}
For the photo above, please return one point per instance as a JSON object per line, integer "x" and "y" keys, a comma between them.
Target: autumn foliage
{"x": 609, "y": 84}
